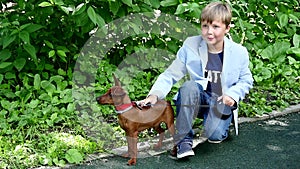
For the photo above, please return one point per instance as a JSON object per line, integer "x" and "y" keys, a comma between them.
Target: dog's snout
{"x": 98, "y": 99}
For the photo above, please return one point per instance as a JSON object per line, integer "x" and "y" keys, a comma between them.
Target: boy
{"x": 219, "y": 78}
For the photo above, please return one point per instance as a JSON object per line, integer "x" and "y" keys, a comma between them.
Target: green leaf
{"x": 9, "y": 94}
{"x": 49, "y": 44}
{"x": 37, "y": 82}
{"x": 276, "y": 50}
{"x": 280, "y": 48}
{"x": 100, "y": 21}
{"x": 167, "y": 3}
{"x": 71, "y": 106}
{"x": 181, "y": 8}
{"x": 266, "y": 73}
{"x": 295, "y": 51}
{"x": 114, "y": 7}
{"x": 1, "y": 78}
{"x": 10, "y": 75}
{"x": 33, "y": 27}
{"x": 283, "y": 20}
{"x": 136, "y": 8}
{"x": 4, "y": 55}
{"x": 79, "y": 9}
{"x": 27, "y": 97}
{"x": 57, "y": 2}
{"x": 61, "y": 72}
{"x": 31, "y": 50}
{"x": 155, "y": 3}
{"x": 34, "y": 103}
{"x": 66, "y": 94}
{"x": 62, "y": 85}
{"x": 56, "y": 78}
{"x": 95, "y": 18}
{"x": 63, "y": 48}
{"x": 60, "y": 163}
{"x": 45, "y": 4}
{"x": 196, "y": 10}
{"x": 296, "y": 40}
{"x": 73, "y": 156}
{"x": 22, "y": 27}
{"x": 13, "y": 117}
{"x": 19, "y": 63}
{"x": 267, "y": 52}
{"x": 127, "y": 2}
{"x": 172, "y": 46}
{"x": 53, "y": 117}
{"x": 8, "y": 40}
{"x": 48, "y": 86}
{"x": 67, "y": 10}
{"x": 24, "y": 35}
{"x": 51, "y": 53}
{"x": 45, "y": 97}
{"x": 4, "y": 64}
{"x": 5, "y": 104}
{"x": 292, "y": 60}
{"x": 294, "y": 18}
{"x": 62, "y": 55}
{"x": 92, "y": 14}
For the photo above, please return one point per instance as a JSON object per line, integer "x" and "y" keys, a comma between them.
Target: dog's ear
{"x": 118, "y": 91}
{"x": 117, "y": 82}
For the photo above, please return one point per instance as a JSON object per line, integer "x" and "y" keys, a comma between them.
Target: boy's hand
{"x": 150, "y": 100}
{"x": 227, "y": 100}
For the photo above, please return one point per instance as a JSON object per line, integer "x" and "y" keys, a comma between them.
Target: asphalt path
{"x": 268, "y": 144}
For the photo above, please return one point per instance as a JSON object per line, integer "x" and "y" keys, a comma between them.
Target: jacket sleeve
{"x": 170, "y": 76}
{"x": 244, "y": 82}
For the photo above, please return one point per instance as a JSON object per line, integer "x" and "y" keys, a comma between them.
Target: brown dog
{"x": 134, "y": 119}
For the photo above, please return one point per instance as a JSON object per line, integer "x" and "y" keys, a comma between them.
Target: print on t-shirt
{"x": 213, "y": 72}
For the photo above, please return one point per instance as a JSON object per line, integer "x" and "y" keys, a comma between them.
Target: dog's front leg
{"x": 127, "y": 154}
{"x": 132, "y": 147}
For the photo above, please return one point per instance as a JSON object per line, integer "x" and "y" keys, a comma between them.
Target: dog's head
{"x": 114, "y": 96}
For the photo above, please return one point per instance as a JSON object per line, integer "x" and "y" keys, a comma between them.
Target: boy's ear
{"x": 227, "y": 29}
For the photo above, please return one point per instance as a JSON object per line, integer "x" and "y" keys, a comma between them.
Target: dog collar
{"x": 123, "y": 108}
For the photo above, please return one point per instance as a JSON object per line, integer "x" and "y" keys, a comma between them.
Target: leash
{"x": 138, "y": 105}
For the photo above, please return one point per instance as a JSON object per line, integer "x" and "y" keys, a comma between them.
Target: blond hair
{"x": 217, "y": 11}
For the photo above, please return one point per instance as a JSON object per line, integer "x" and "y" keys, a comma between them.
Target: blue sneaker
{"x": 185, "y": 150}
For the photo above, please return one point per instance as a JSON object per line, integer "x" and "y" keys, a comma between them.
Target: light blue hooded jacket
{"x": 191, "y": 59}
{"x": 236, "y": 78}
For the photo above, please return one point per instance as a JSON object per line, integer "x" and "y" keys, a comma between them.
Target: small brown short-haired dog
{"x": 134, "y": 119}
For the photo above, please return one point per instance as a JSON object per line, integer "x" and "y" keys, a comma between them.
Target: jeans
{"x": 192, "y": 102}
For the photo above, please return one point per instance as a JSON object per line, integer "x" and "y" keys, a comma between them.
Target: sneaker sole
{"x": 186, "y": 154}
{"x": 215, "y": 142}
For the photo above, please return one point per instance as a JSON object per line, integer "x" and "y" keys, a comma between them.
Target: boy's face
{"x": 213, "y": 33}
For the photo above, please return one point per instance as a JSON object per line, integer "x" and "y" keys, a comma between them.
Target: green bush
{"x": 42, "y": 96}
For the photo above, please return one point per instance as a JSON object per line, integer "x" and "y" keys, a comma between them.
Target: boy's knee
{"x": 218, "y": 134}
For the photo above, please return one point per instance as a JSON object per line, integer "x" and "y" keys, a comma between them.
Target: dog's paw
{"x": 131, "y": 161}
